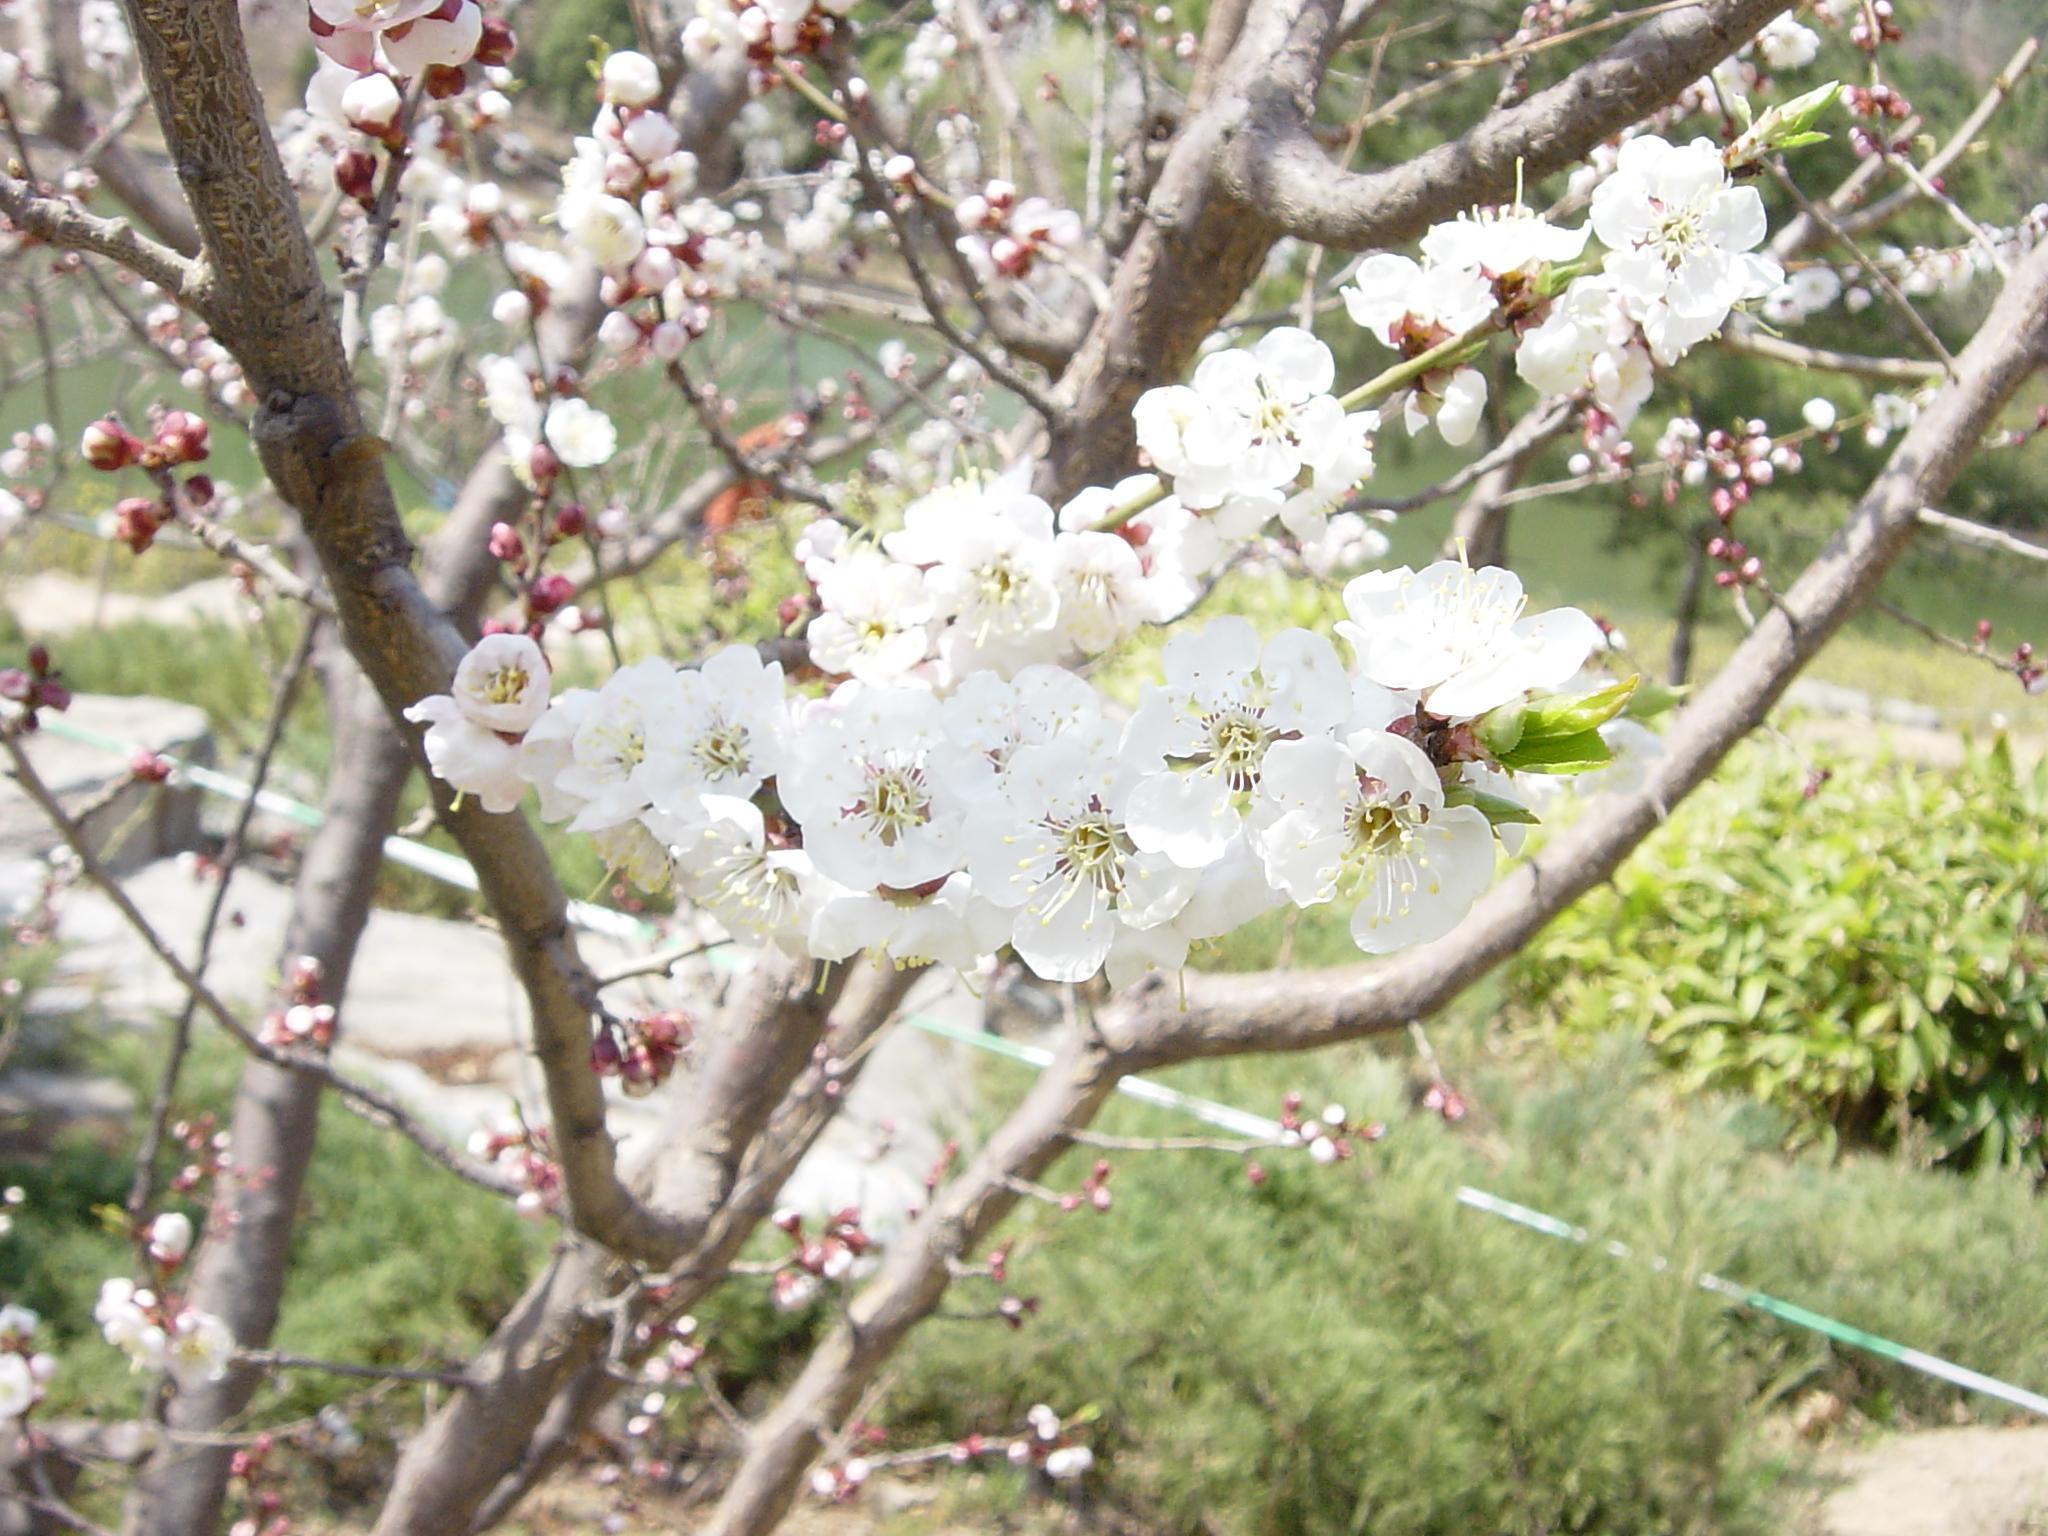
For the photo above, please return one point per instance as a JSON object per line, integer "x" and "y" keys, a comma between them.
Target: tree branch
{"x": 1277, "y": 166}
{"x": 56, "y": 222}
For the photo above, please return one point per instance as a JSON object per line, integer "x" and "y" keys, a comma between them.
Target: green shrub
{"x": 1874, "y": 957}
{"x": 1348, "y": 1349}
{"x": 555, "y": 55}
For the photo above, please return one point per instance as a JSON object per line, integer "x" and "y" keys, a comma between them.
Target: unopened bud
{"x": 371, "y": 104}
{"x": 107, "y": 445}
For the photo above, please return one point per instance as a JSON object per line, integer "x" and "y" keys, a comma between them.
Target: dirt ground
{"x": 1941, "y": 1482}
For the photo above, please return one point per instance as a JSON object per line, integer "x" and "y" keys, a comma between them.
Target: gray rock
{"x": 128, "y": 822}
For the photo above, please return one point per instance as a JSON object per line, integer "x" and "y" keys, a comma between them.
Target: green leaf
{"x": 1562, "y": 714}
{"x": 1501, "y": 811}
{"x": 1499, "y": 729}
{"x": 1580, "y": 752}
{"x": 1652, "y": 699}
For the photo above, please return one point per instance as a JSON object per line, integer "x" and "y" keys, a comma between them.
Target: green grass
{"x": 1348, "y": 1349}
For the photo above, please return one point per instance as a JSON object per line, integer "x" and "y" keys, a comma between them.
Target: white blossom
{"x": 860, "y": 784}
{"x": 729, "y": 731}
{"x": 1248, "y": 420}
{"x": 1054, "y": 846}
{"x": 1785, "y": 44}
{"x": 1364, "y": 820}
{"x": 1226, "y": 698}
{"x": 582, "y": 436}
{"x": 876, "y": 623}
{"x": 18, "y": 1391}
{"x": 1459, "y": 637}
{"x": 951, "y": 926}
{"x": 200, "y": 1347}
{"x": 502, "y": 683}
{"x": 471, "y": 758}
{"x": 1679, "y": 233}
{"x": 630, "y": 79}
{"x": 170, "y": 1237}
{"x": 621, "y": 742}
{"x": 753, "y": 887}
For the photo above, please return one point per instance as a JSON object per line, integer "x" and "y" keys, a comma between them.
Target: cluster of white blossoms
{"x": 759, "y": 29}
{"x": 1681, "y": 242}
{"x": 958, "y": 787}
{"x": 937, "y": 822}
{"x": 159, "y": 1334}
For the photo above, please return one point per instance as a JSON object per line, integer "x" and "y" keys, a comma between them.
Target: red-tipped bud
{"x": 549, "y": 593}
{"x": 107, "y": 445}
{"x": 136, "y": 521}
{"x": 444, "y": 82}
{"x": 355, "y": 172}
{"x": 505, "y": 543}
{"x": 181, "y": 438}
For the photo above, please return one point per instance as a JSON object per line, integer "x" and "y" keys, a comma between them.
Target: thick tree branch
{"x": 57, "y": 222}
{"x": 1277, "y": 166}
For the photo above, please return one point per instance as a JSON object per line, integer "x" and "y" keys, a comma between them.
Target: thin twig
{"x": 273, "y": 1360}
{"x": 1876, "y": 273}
{"x": 143, "y": 1189}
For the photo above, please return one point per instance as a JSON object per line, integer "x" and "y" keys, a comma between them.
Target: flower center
{"x": 1675, "y": 233}
{"x": 507, "y": 685}
{"x": 1237, "y": 745}
{"x": 1467, "y": 616}
{"x": 617, "y": 747}
{"x": 1272, "y": 417}
{"x": 1385, "y": 853}
{"x": 896, "y": 803}
{"x": 1093, "y": 848}
{"x": 755, "y": 884}
{"x": 721, "y": 752}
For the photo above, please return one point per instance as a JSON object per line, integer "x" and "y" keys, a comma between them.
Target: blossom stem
{"x": 804, "y": 88}
{"x": 1444, "y": 354}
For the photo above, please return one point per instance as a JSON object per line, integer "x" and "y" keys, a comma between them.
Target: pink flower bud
{"x": 549, "y": 593}
{"x": 107, "y": 445}
{"x": 136, "y": 521}
{"x": 181, "y": 438}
